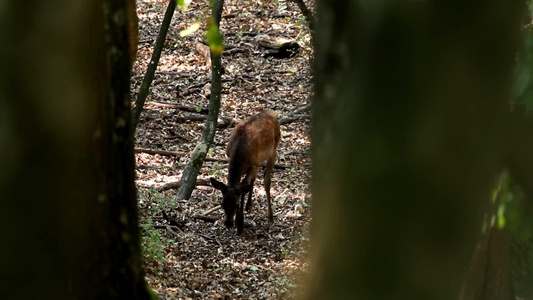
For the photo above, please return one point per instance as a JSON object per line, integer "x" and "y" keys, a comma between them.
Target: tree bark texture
{"x": 66, "y": 131}
{"x": 409, "y": 131}
{"x": 489, "y": 275}
{"x": 192, "y": 168}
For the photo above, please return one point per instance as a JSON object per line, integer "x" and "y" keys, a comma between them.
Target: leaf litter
{"x": 204, "y": 260}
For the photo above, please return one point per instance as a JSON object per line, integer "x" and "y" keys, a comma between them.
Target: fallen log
{"x": 278, "y": 47}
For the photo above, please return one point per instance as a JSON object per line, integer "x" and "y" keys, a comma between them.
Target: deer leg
{"x": 239, "y": 219}
{"x": 249, "y": 202}
{"x": 268, "y": 176}
{"x": 250, "y": 179}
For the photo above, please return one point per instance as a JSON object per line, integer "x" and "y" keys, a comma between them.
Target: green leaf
{"x": 501, "y": 216}
{"x": 183, "y": 4}
{"x": 214, "y": 37}
{"x": 254, "y": 268}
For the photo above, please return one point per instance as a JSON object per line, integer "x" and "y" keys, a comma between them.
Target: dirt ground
{"x": 200, "y": 259}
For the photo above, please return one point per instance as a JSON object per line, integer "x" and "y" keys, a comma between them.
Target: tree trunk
{"x": 154, "y": 62}
{"x": 190, "y": 173}
{"x": 489, "y": 276}
{"x": 67, "y": 134}
{"x": 408, "y": 135}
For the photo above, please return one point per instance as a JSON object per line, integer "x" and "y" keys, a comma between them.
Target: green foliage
{"x": 214, "y": 37}
{"x": 153, "y": 294}
{"x": 509, "y": 201}
{"x": 217, "y": 170}
{"x": 183, "y": 4}
{"x": 507, "y": 198}
{"x": 151, "y": 241}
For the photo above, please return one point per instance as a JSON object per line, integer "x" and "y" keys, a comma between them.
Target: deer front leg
{"x": 249, "y": 202}
{"x": 251, "y": 174}
{"x": 239, "y": 219}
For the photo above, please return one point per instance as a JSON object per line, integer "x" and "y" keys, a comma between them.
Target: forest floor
{"x": 187, "y": 258}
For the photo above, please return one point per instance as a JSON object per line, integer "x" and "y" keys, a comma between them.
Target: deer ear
{"x": 218, "y": 185}
{"x": 245, "y": 188}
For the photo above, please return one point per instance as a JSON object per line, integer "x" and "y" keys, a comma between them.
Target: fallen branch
{"x": 169, "y": 229}
{"x": 212, "y": 210}
{"x": 278, "y": 47}
{"x": 177, "y": 184}
{"x": 200, "y": 110}
{"x": 287, "y": 120}
{"x": 301, "y": 109}
{"x": 204, "y": 216}
{"x": 177, "y": 153}
{"x": 224, "y": 121}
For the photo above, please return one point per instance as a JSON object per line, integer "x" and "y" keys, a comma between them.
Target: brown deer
{"x": 252, "y": 142}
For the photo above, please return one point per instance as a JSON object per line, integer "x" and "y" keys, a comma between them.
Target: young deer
{"x": 252, "y": 142}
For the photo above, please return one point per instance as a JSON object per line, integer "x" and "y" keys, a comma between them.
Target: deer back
{"x": 252, "y": 142}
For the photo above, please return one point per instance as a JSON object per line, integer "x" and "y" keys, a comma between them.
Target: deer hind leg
{"x": 268, "y": 176}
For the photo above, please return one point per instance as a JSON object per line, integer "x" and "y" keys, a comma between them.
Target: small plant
{"x": 151, "y": 241}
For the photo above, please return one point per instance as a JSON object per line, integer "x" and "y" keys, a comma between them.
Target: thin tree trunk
{"x": 154, "y": 62}
{"x": 307, "y": 13}
{"x": 200, "y": 151}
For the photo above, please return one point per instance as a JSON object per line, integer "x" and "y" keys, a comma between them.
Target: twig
{"x": 210, "y": 239}
{"x": 288, "y": 120}
{"x": 154, "y": 61}
{"x": 302, "y": 109}
{"x": 204, "y": 216}
{"x": 308, "y": 14}
{"x": 212, "y": 210}
{"x": 168, "y": 228}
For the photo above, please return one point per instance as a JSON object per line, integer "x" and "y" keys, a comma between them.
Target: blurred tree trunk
{"x": 489, "y": 277}
{"x": 409, "y": 131}
{"x": 69, "y": 220}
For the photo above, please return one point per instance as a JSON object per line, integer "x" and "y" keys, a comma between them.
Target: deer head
{"x": 230, "y": 199}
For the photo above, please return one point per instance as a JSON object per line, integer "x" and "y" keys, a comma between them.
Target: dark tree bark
{"x": 409, "y": 131}
{"x": 190, "y": 173}
{"x": 66, "y": 132}
{"x": 154, "y": 62}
